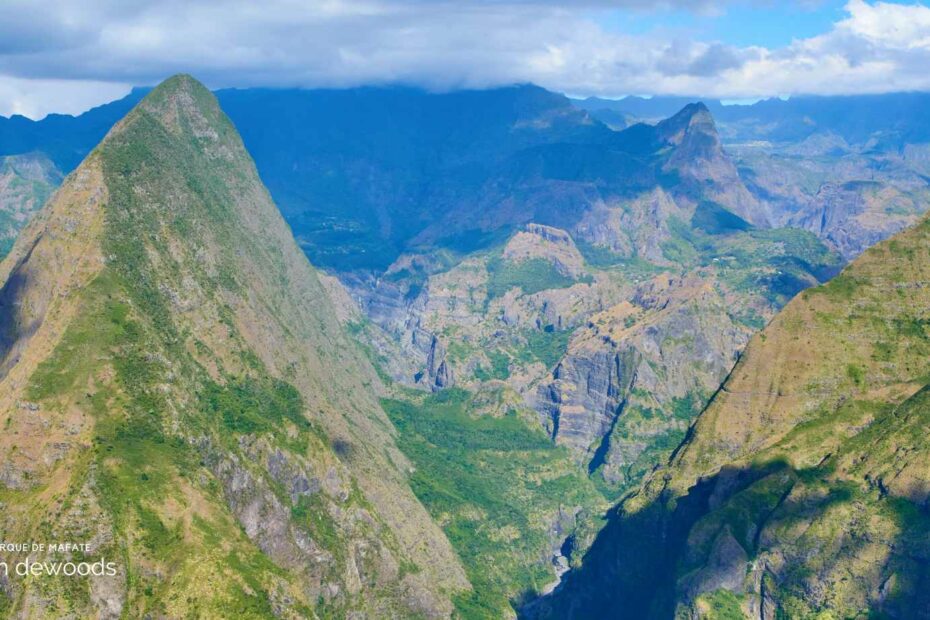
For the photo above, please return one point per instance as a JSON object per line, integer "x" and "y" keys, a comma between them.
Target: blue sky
{"x": 767, "y": 24}
{"x": 68, "y": 55}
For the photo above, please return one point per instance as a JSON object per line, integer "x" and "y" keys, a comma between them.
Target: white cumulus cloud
{"x": 65, "y": 55}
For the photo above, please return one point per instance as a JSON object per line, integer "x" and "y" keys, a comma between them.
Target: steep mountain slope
{"x": 802, "y": 490}
{"x": 176, "y": 391}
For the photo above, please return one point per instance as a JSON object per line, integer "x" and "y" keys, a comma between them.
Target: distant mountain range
{"x": 887, "y": 121}
{"x": 363, "y": 175}
{"x": 531, "y": 309}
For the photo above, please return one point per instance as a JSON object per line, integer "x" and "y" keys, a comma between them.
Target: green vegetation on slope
{"x": 778, "y": 263}
{"x": 495, "y": 485}
{"x": 545, "y": 345}
{"x": 187, "y": 423}
{"x": 720, "y": 605}
{"x": 140, "y": 465}
{"x": 600, "y": 257}
{"x": 530, "y": 276}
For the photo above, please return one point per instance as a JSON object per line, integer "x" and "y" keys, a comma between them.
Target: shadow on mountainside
{"x": 17, "y": 326}
{"x": 755, "y": 529}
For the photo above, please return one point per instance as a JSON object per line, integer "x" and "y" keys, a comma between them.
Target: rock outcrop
{"x": 549, "y": 244}
{"x": 704, "y": 169}
{"x": 635, "y": 375}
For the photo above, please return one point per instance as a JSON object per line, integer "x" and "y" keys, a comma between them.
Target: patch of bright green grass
{"x": 254, "y": 405}
{"x": 545, "y": 346}
{"x": 530, "y": 276}
{"x": 500, "y": 367}
{"x": 634, "y": 267}
{"x": 724, "y": 605}
{"x": 493, "y": 483}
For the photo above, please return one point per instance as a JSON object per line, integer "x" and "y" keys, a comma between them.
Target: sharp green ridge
{"x": 212, "y": 426}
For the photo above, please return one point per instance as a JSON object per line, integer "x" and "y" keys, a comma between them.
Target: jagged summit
{"x": 693, "y": 131}
{"x": 691, "y": 119}
{"x": 172, "y": 366}
{"x": 182, "y": 104}
{"x": 687, "y": 149}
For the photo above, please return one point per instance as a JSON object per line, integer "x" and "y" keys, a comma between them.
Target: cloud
{"x": 878, "y": 47}
{"x": 79, "y": 45}
{"x": 717, "y": 58}
{"x": 37, "y": 97}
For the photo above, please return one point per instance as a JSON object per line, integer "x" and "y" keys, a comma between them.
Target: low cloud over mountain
{"x": 86, "y": 55}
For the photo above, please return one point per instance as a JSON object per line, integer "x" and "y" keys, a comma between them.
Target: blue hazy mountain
{"x": 646, "y": 108}
{"x": 361, "y": 173}
{"x": 890, "y": 120}
{"x": 63, "y": 138}
{"x": 365, "y": 174}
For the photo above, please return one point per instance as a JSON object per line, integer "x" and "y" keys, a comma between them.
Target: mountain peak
{"x": 217, "y": 367}
{"x": 697, "y": 154}
{"x": 692, "y": 109}
{"x": 693, "y": 119}
{"x": 181, "y": 104}
{"x": 180, "y": 86}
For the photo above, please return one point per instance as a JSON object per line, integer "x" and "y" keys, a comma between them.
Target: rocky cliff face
{"x": 802, "y": 488}
{"x": 850, "y": 195}
{"x": 854, "y": 216}
{"x": 632, "y": 228}
{"x": 636, "y": 373}
{"x": 549, "y": 244}
{"x": 616, "y": 358}
{"x": 705, "y": 171}
{"x": 179, "y": 393}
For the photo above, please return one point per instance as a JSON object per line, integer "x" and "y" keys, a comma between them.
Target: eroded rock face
{"x": 636, "y": 227}
{"x": 854, "y": 216}
{"x": 438, "y": 370}
{"x": 409, "y": 352}
{"x": 547, "y": 243}
{"x": 633, "y": 366}
{"x": 851, "y": 195}
{"x": 263, "y": 517}
{"x": 581, "y": 403}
